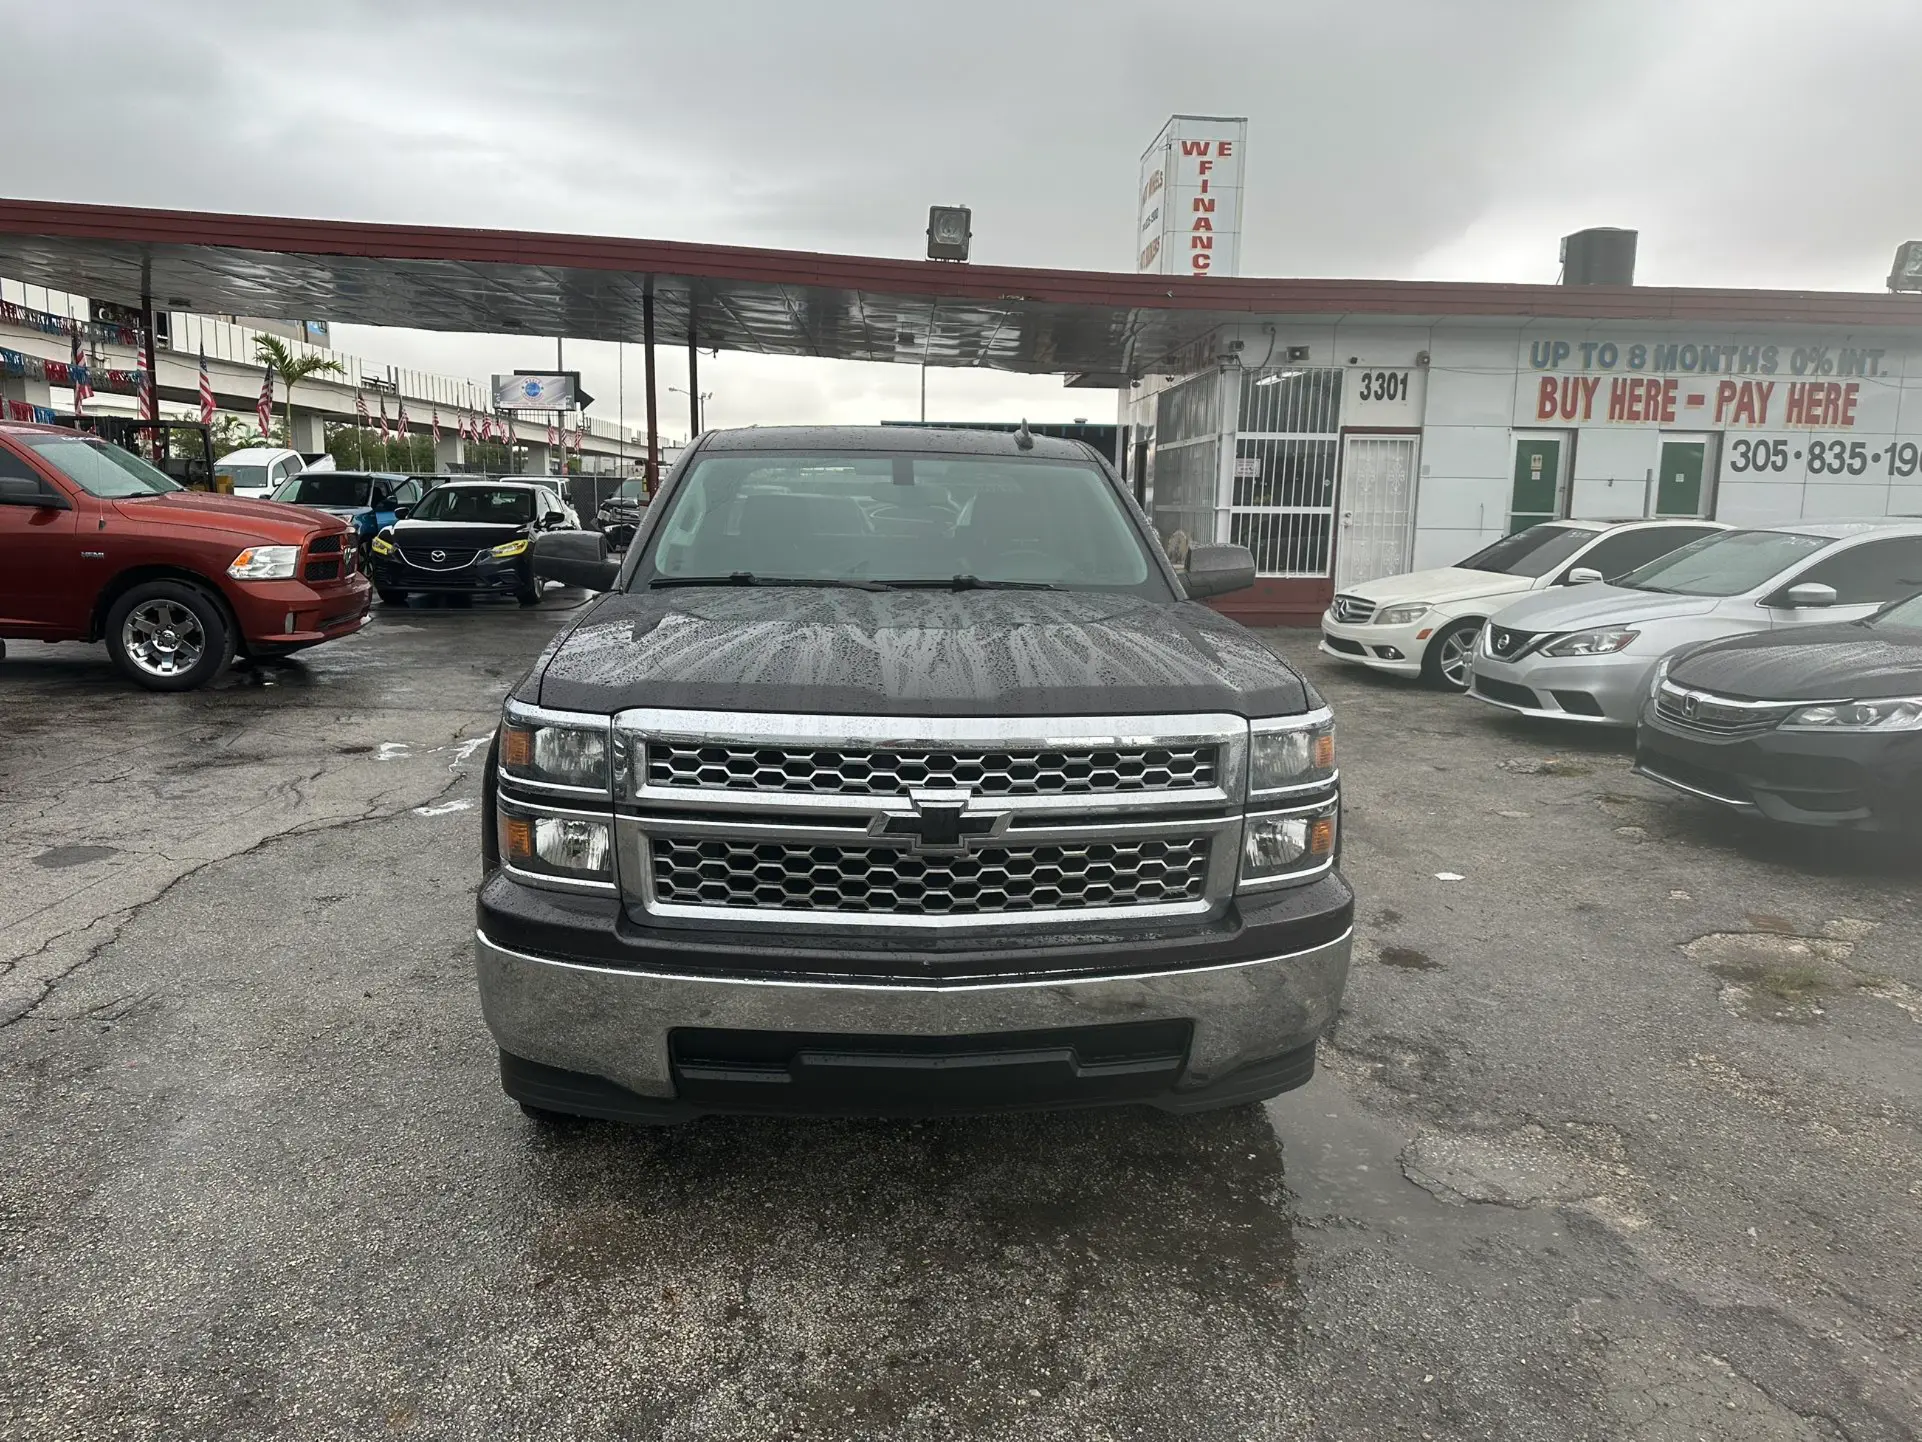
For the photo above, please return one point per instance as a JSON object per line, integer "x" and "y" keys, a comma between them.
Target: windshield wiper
{"x": 748, "y": 578}
{"x": 969, "y": 583}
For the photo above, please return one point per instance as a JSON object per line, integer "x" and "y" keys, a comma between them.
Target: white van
{"x": 257, "y": 471}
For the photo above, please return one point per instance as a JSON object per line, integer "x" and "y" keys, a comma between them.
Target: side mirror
{"x": 553, "y": 519}
{"x": 403, "y": 511}
{"x": 25, "y": 491}
{"x": 575, "y": 558}
{"x": 1217, "y": 570}
{"x": 1583, "y": 576}
{"x": 1810, "y": 594}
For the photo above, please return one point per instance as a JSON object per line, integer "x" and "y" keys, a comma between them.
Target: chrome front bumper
{"x": 615, "y": 1023}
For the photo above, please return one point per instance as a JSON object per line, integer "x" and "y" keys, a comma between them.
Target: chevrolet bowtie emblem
{"x": 943, "y": 823}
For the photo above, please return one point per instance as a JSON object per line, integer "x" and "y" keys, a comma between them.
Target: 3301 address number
{"x": 1384, "y": 385}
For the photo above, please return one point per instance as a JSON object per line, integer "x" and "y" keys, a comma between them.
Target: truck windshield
{"x": 915, "y": 520}
{"x": 100, "y": 469}
{"x": 326, "y": 488}
{"x": 1533, "y": 552}
{"x": 1725, "y": 564}
{"x": 253, "y": 477}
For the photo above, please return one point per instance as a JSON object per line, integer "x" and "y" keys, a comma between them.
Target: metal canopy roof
{"x": 1105, "y": 326}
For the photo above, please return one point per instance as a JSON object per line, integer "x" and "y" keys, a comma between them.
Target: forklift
{"x": 183, "y": 450}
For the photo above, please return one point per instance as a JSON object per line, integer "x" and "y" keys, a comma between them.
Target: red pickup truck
{"x": 97, "y": 545}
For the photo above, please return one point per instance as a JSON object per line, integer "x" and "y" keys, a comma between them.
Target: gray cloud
{"x": 1753, "y": 142}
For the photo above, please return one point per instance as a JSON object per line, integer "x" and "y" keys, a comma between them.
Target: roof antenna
{"x": 1023, "y": 437}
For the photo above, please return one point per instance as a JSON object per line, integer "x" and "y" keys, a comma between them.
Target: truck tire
{"x": 529, "y": 592}
{"x": 169, "y": 635}
{"x": 1445, "y": 663}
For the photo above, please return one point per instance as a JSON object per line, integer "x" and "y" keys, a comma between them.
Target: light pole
{"x": 695, "y": 404}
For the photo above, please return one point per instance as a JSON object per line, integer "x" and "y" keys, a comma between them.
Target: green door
{"x": 1537, "y": 483}
{"x": 1678, "y": 485}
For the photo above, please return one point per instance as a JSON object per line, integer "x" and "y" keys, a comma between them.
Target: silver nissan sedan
{"x": 1589, "y": 652}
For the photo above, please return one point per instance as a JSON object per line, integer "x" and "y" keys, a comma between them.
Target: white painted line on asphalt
{"x": 446, "y": 808}
{"x": 391, "y": 751}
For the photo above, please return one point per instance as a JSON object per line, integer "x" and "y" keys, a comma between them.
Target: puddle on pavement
{"x": 56, "y": 858}
{"x": 879, "y": 1271}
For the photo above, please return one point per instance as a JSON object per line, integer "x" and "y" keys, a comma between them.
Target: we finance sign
{"x": 1188, "y": 209}
{"x": 1709, "y": 383}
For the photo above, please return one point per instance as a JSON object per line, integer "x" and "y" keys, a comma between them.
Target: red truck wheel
{"x": 169, "y": 636}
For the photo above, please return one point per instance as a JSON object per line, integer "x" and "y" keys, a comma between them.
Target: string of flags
{"x": 49, "y": 324}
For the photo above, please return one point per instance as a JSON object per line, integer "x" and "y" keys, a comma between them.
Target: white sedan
{"x": 1424, "y": 623}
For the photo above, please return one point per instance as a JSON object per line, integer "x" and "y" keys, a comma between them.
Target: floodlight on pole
{"x": 950, "y": 228}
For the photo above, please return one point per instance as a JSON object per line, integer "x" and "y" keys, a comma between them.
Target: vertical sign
{"x": 1188, "y": 209}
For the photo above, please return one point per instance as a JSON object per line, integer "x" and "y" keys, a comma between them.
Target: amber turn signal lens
{"x": 1321, "y": 836}
{"x": 517, "y": 838}
{"x": 517, "y": 748}
{"x": 1324, "y": 753}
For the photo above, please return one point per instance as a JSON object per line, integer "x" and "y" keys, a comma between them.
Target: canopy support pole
{"x": 653, "y": 420}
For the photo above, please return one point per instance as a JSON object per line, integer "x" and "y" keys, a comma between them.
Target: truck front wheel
{"x": 169, "y": 636}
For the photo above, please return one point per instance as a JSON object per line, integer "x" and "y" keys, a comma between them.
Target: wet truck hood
{"x": 912, "y": 653}
{"x": 1578, "y": 608}
{"x": 1808, "y": 663}
{"x": 1448, "y": 583}
{"x": 263, "y": 521}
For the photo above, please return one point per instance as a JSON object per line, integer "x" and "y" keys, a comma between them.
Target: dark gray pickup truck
{"x": 894, "y": 774}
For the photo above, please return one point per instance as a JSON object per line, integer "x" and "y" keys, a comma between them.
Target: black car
{"x": 619, "y": 515}
{"x": 1817, "y": 726}
{"x": 468, "y": 537}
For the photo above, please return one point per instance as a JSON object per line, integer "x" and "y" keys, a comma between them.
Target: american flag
{"x": 437, "y": 425}
{"x": 206, "y": 392}
{"x": 400, "y": 419}
{"x": 383, "y": 420}
{"x": 82, "y": 381}
{"x": 264, "y": 407}
{"x": 144, "y": 385}
{"x": 461, "y": 429}
{"x": 553, "y": 436}
{"x": 360, "y": 406}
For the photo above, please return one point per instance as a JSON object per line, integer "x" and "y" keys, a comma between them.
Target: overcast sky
{"x": 1751, "y": 143}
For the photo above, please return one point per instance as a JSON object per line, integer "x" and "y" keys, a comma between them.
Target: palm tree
{"x": 273, "y": 352}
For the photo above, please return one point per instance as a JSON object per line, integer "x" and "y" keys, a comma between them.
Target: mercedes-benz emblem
{"x": 438, "y": 555}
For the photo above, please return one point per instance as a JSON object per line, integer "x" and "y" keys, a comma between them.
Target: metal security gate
{"x": 1377, "y": 508}
{"x": 1286, "y": 453}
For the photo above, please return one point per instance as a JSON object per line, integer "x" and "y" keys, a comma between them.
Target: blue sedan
{"x": 369, "y": 501}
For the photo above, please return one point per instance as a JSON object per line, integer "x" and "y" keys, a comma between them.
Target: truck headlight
{"x": 1291, "y": 753}
{"x": 509, "y": 548}
{"x": 554, "y": 749}
{"x": 1403, "y": 615}
{"x": 565, "y": 847}
{"x": 1895, "y": 713}
{"x": 1605, "y": 642}
{"x": 265, "y": 563}
{"x": 1285, "y": 846}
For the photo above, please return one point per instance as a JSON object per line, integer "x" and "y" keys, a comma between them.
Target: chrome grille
{"x": 889, "y": 772}
{"x": 1711, "y": 715}
{"x": 791, "y": 876}
{"x": 1505, "y": 643}
{"x": 1354, "y": 609}
{"x": 437, "y": 558}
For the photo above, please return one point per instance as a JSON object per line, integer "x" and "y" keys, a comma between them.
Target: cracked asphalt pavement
{"x": 1619, "y": 1135}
